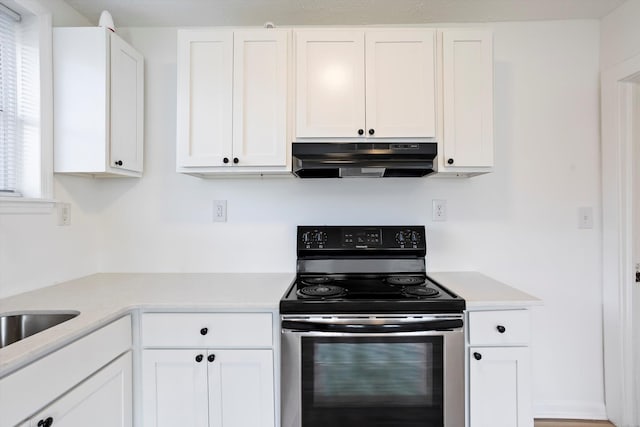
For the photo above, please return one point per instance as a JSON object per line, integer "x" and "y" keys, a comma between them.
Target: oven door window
{"x": 372, "y": 381}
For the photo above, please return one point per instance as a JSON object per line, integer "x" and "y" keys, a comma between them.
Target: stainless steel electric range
{"x": 367, "y": 337}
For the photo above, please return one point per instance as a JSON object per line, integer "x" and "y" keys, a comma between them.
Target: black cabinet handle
{"x": 477, "y": 356}
{"x": 360, "y": 131}
{"x": 118, "y": 162}
{"x": 371, "y": 131}
{"x": 225, "y": 160}
{"x": 450, "y": 161}
{"x": 46, "y": 423}
{"x": 235, "y": 160}
{"x": 204, "y": 331}
{"x": 501, "y": 329}
{"x": 211, "y": 357}
{"x": 199, "y": 358}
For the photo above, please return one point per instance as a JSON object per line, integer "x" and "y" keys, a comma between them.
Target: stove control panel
{"x": 322, "y": 239}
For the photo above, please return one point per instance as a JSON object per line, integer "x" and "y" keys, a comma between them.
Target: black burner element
{"x": 404, "y": 280}
{"x": 316, "y": 280}
{"x": 419, "y": 291}
{"x": 323, "y": 291}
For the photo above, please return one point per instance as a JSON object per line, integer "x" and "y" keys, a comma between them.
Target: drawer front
{"x": 506, "y": 327}
{"x": 207, "y": 330}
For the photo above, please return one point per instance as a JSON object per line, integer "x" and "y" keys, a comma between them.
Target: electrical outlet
{"x": 585, "y": 217}
{"x": 219, "y": 211}
{"x": 64, "y": 213}
{"x": 439, "y": 210}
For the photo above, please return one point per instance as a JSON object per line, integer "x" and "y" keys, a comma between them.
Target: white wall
{"x": 620, "y": 34}
{"x": 518, "y": 224}
{"x": 34, "y": 251}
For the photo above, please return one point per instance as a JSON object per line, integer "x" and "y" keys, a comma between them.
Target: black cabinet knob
{"x": 225, "y": 160}
{"x": 199, "y": 358}
{"x": 450, "y": 161}
{"x": 501, "y": 329}
{"x": 204, "y": 331}
{"x": 360, "y": 131}
{"x": 211, "y": 357}
{"x": 477, "y": 356}
{"x": 371, "y": 131}
{"x": 118, "y": 162}
{"x": 235, "y": 160}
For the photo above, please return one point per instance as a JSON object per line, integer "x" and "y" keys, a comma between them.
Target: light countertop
{"x": 102, "y": 298}
{"x": 483, "y": 292}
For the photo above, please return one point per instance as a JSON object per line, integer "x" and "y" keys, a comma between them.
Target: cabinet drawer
{"x": 507, "y": 327}
{"x": 207, "y": 330}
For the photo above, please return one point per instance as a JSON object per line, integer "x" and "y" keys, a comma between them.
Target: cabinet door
{"x": 467, "y": 98}
{"x": 127, "y": 106}
{"x": 400, "y": 83}
{"x": 103, "y": 400}
{"x": 499, "y": 384}
{"x": 329, "y": 83}
{"x": 241, "y": 388}
{"x": 174, "y": 388}
{"x": 260, "y": 97}
{"x": 204, "y": 99}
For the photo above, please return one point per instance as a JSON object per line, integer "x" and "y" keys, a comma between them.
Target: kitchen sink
{"x": 15, "y": 327}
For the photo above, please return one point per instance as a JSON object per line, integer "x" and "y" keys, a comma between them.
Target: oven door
{"x": 373, "y": 371}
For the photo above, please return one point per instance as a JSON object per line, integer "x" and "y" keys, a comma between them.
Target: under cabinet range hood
{"x": 363, "y": 160}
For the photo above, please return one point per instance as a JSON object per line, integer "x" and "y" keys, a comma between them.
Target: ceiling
{"x": 128, "y": 13}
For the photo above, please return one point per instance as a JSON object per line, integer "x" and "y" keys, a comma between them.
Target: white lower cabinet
{"x": 499, "y": 386}
{"x": 499, "y": 370}
{"x": 86, "y": 383}
{"x": 230, "y": 388}
{"x": 103, "y": 400}
{"x": 219, "y": 381}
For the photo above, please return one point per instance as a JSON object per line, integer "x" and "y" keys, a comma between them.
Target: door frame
{"x": 617, "y": 90}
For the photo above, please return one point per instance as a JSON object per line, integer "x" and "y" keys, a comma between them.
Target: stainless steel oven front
{"x": 373, "y": 370}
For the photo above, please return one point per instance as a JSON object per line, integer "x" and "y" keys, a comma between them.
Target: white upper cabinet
{"x": 205, "y": 82}
{"x": 400, "y": 82}
{"x": 232, "y": 101}
{"x": 329, "y": 83}
{"x": 467, "y": 77}
{"x": 373, "y": 83}
{"x": 98, "y": 85}
{"x": 260, "y": 97}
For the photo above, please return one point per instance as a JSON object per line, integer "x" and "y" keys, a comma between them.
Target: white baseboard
{"x": 570, "y": 409}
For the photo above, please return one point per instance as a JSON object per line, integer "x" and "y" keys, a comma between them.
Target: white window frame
{"x": 44, "y": 202}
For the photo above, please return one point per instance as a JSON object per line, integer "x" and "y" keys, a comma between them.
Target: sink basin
{"x": 16, "y": 327}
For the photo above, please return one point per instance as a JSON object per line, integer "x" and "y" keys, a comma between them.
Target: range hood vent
{"x": 363, "y": 160}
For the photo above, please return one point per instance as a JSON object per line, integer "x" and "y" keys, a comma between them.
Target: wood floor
{"x": 571, "y": 423}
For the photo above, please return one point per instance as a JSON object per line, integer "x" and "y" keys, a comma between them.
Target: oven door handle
{"x": 431, "y": 325}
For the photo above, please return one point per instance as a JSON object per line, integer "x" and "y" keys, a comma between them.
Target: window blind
{"x": 10, "y": 150}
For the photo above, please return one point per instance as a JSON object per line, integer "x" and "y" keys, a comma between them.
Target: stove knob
{"x": 320, "y": 236}
{"x": 400, "y": 238}
{"x": 306, "y": 237}
{"x": 415, "y": 237}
